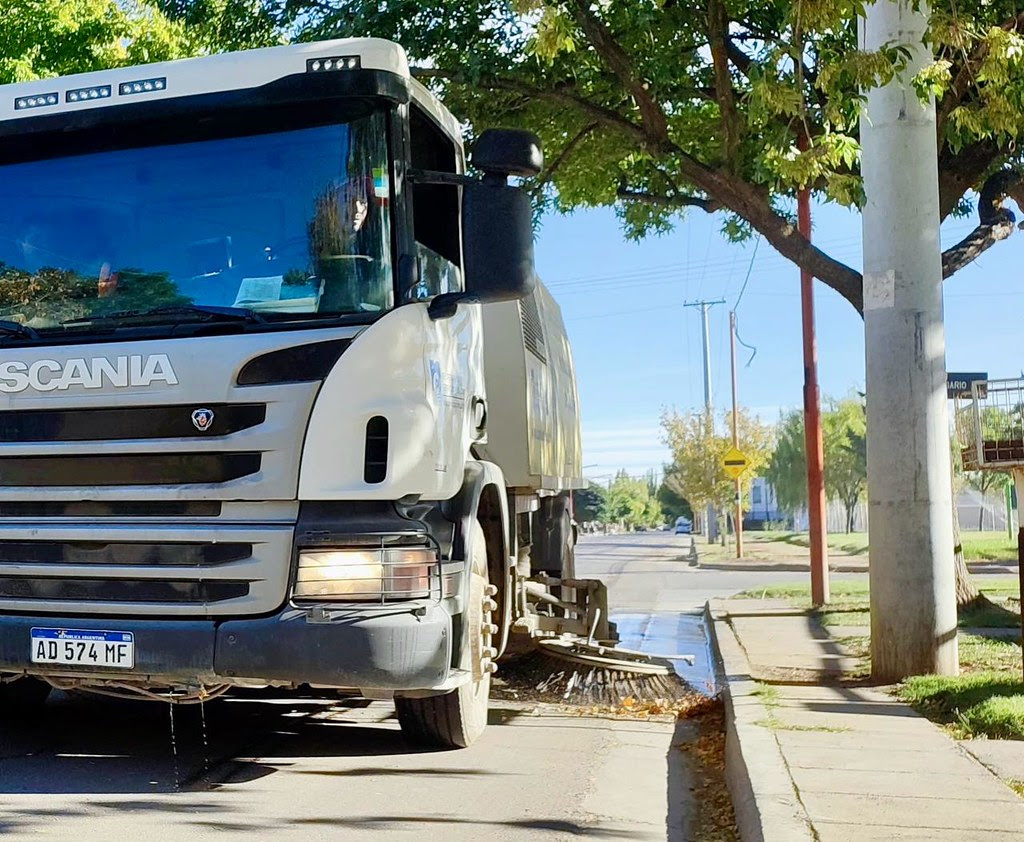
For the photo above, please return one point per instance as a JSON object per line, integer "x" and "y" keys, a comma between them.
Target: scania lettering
{"x": 285, "y": 403}
{"x": 119, "y": 373}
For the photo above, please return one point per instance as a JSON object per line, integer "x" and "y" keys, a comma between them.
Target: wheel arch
{"x": 483, "y": 498}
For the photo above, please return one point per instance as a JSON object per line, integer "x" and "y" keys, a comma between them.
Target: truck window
{"x": 436, "y": 225}
{"x": 226, "y": 213}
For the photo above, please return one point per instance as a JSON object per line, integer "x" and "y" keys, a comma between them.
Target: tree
{"x": 787, "y": 467}
{"x": 226, "y": 24}
{"x": 630, "y": 502}
{"x": 589, "y": 503}
{"x": 697, "y": 450}
{"x": 844, "y": 430}
{"x": 660, "y": 106}
{"x": 42, "y": 38}
{"x": 673, "y": 504}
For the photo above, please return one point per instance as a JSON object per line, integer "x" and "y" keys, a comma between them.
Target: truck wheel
{"x": 23, "y": 697}
{"x": 455, "y": 719}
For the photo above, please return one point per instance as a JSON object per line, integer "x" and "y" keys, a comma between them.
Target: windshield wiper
{"x": 173, "y": 313}
{"x": 15, "y": 329}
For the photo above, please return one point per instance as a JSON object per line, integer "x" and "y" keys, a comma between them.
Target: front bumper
{"x": 407, "y": 647}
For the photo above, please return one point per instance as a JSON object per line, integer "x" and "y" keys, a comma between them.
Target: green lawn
{"x": 977, "y": 704}
{"x": 978, "y": 546}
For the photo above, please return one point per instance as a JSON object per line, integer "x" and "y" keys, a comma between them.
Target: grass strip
{"x": 981, "y": 704}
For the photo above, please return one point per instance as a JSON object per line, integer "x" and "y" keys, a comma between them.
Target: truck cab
{"x": 243, "y": 401}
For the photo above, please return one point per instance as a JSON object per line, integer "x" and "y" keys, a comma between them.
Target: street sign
{"x": 958, "y": 383}
{"x": 735, "y": 463}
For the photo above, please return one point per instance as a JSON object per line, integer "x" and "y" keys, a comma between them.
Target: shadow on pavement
{"x": 85, "y": 745}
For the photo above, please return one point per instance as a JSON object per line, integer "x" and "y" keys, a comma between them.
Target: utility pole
{"x": 913, "y": 602}
{"x": 738, "y": 516}
{"x": 708, "y": 403}
{"x": 813, "y": 442}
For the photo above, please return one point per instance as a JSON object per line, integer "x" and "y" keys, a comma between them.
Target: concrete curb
{"x": 764, "y": 798}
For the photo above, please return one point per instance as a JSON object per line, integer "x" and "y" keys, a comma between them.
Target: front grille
{"x": 121, "y": 590}
{"x": 143, "y": 568}
{"x": 127, "y": 469}
{"x": 91, "y": 552}
{"x": 110, "y": 509}
{"x": 126, "y": 423}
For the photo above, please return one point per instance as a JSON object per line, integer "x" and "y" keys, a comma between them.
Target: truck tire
{"x": 23, "y": 697}
{"x": 455, "y": 719}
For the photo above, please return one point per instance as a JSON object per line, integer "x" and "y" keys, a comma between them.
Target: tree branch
{"x": 651, "y": 115}
{"x": 668, "y": 201}
{"x": 741, "y": 61}
{"x": 718, "y": 34}
{"x": 559, "y": 96}
{"x": 995, "y": 221}
{"x": 966, "y": 75}
{"x": 971, "y": 247}
{"x": 746, "y": 201}
{"x": 567, "y": 150}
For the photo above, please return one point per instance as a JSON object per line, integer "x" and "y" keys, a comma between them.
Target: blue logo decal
{"x": 435, "y": 379}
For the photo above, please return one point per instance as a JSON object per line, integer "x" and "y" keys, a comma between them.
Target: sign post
{"x": 735, "y": 464}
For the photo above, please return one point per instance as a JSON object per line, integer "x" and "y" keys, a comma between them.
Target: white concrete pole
{"x": 913, "y": 602}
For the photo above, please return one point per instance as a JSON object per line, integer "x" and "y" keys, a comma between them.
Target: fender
{"x": 463, "y": 509}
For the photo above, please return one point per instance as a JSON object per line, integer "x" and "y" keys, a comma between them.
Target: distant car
{"x": 683, "y": 526}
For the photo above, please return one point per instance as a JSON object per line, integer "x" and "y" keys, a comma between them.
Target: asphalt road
{"x": 274, "y": 764}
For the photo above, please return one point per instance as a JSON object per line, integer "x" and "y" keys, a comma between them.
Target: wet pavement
{"x": 667, "y": 634}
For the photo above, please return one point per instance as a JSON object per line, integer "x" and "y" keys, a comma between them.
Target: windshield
{"x": 284, "y": 223}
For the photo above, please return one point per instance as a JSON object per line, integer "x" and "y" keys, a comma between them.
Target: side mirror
{"x": 497, "y": 223}
{"x": 506, "y": 152}
{"x": 497, "y": 242}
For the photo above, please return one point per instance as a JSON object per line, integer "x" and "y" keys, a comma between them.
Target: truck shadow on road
{"x": 81, "y": 744}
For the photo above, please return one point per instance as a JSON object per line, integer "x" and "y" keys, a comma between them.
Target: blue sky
{"x": 638, "y": 350}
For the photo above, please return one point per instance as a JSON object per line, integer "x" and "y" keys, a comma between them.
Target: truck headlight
{"x": 379, "y": 575}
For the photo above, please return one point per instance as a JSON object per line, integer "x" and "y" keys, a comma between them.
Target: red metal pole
{"x": 812, "y": 421}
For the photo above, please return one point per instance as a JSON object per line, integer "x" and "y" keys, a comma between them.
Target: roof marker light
{"x": 79, "y": 94}
{"x": 23, "y": 102}
{"x": 142, "y": 86}
{"x": 315, "y": 65}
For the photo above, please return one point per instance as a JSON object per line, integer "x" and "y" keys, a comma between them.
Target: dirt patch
{"x": 714, "y": 820}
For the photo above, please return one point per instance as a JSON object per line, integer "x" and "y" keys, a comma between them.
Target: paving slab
{"x": 972, "y": 783}
{"x": 1004, "y": 758}
{"x": 914, "y": 760}
{"x": 834, "y": 832}
{"x": 864, "y": 765}
{"x": 936, "y": 810}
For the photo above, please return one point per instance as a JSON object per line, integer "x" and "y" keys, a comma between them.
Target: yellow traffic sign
{"x": 735, "y": 463}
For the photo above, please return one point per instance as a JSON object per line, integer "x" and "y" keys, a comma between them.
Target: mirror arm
{"x": 446, "y": 305}
{"x": 436, "y": 177}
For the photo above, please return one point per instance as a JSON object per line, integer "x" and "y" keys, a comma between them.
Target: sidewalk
{"x": 809, "y": 758}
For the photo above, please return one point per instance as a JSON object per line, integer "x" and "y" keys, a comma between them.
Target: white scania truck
{"x": 281, "y": 401}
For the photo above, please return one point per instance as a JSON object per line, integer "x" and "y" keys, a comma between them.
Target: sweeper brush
{"x": 582, "y": 672}
{"x": 571, "y": 653}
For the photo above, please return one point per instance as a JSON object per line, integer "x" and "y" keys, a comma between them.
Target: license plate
{"x": 83, "y": 647}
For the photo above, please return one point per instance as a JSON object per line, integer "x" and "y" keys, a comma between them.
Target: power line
{"x": 750, "y": 269}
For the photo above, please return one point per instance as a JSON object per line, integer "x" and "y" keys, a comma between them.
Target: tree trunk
{"x": 967, "y": 595}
